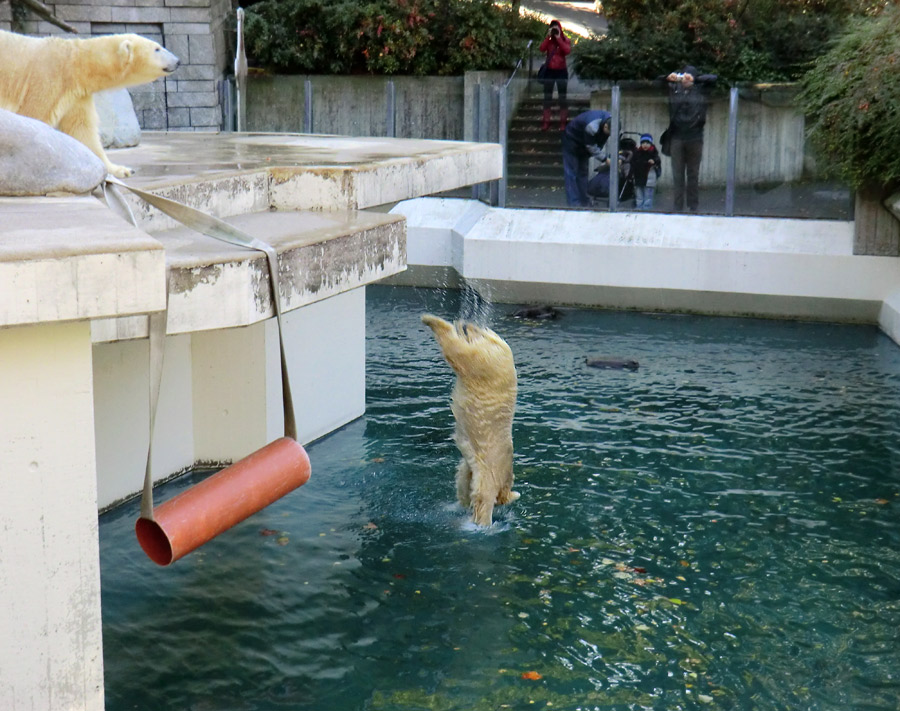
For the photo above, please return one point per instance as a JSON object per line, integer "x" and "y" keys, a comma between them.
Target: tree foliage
{"x": 386, "y": 36}
{"x": 751, "y": 40}
{"x": 852, "y": 101}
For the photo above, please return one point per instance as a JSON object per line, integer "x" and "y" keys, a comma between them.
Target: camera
{"x": 679, "y": 76}
{"x": 554, "y": 31}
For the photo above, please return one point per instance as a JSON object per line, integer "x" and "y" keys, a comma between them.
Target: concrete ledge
{"x": 71, "y": 258}
{"x": 321, "y": 254}
{"x": 309, "y": 171}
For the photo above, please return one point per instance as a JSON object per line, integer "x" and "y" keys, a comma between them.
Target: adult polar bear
{"x": 53, "y": 79}
{"x": 483, "y": 404}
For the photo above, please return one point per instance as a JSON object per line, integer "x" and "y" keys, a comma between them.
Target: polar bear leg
{"x": 81, "y": 123}
{"x": 482, "y": 509}
{"x": 464, "y": 484}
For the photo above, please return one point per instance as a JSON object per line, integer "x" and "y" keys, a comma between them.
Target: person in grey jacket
{"x": 585, "y": 136}
{"x": 687, "y": 116}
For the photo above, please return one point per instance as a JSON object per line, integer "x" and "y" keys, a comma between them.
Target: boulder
{"x": 118, "y": 122}
{"x": 36, "y": 159}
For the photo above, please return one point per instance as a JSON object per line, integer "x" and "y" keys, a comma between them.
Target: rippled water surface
{"x": 719, "y": 529}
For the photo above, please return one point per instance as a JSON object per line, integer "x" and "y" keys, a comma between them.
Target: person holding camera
{"x": 687, "y": 115}
{"x": 556, "y": 46}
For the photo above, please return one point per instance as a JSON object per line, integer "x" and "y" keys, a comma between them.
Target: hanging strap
{"x": 218, "y": 229}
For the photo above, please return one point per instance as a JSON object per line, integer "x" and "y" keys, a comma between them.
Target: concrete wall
{"x": 425, "y": 107}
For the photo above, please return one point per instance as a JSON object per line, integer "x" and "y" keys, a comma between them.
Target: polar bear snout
{"x": 167, "y": 61}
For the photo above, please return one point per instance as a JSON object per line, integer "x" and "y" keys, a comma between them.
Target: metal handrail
{"x": 518, "y": 64}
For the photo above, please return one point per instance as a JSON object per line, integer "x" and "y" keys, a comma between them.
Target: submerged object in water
{"x": 536, "y": 313}
{"x": 614, "y": 363}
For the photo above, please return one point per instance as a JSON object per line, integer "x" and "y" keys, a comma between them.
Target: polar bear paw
{"x": 120, "y": 171}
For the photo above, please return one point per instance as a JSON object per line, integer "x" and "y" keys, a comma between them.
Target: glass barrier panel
{"x": 777, "y": 174}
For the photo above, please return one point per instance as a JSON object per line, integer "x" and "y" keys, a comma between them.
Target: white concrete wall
{"x": 702, "y": 264}
{"x": 50, "y": 642}
{"x": 220, "y": 398}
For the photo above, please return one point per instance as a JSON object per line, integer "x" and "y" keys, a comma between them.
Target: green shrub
{"x": 386, "y": 36}
{"x": 852, "y": 101}
{"x": 741, "y": 40}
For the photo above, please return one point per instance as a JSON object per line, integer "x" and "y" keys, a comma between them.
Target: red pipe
{"x": 217, "y": 503}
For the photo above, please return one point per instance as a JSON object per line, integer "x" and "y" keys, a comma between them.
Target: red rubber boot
{"x": 545, "y": 126}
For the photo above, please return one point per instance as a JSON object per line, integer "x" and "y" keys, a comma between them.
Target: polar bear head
{"x": 474, "y": 352}
{"x": 129, "y": 60}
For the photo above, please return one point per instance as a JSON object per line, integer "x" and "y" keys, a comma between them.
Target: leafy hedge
{"x": 852, "y": 102}
{"x": 741, "y": 40}
{"x": 422, "y": 37}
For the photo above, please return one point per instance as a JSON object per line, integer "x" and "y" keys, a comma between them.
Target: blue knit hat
{"x": 646, "y": 137}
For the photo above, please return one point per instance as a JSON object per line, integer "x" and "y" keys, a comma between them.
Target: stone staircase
{"x": 534, "y": 157}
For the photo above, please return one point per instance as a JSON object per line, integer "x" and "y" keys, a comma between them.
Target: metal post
{"x": 307, "y": 107}
{"x": 732, "y": 151}
{"x": 240, "y": 74}
{"x": 612, "y": 150}
{"x": 476, "y": 127}
{"x": 502, "y": 130}
{"x": 391, "y": 115}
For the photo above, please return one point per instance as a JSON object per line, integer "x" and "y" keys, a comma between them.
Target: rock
{"x": 36, "y": 159}
{"x": 118, "y": 122}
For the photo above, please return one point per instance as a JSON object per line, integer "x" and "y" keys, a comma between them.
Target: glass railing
{"x": 749, "y": 157}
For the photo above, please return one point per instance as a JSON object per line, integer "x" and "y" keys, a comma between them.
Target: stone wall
{"x": 195, "y": 30}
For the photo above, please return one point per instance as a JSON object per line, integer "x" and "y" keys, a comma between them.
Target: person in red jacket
{"x": 556, "y": 46}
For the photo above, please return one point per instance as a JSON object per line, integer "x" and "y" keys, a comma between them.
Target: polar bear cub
{"x": 483, "y": 404}
{"x": 53, "y": 79}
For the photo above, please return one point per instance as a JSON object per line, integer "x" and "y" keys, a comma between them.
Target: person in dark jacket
{"x": 556, "y": 46}
{"x": 585, "y": 137}
{"x": 687, "y": 115}
{"x": 645, "y": 166}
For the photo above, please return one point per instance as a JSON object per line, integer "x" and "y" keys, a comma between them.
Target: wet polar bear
{"x": 53, "y": 80}
{"x": 483, "y": 403}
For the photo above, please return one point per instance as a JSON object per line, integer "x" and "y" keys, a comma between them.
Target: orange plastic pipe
{"x": 217, "y": 503}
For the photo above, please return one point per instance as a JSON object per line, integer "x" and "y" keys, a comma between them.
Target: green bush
{"x": 741, "y": 40}
{"x": 386, "y": 36}
{"x": 852, "y": 101}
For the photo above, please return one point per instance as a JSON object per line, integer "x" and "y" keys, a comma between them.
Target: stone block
{"x": 178, "y": 45}
{"x": 202, "y": 48}
{"x": 187, "y": 3}
{"x": 179, "y": 119}
{"x": 194, "y": 72}
{"x": 84, "y": 13}
{"x": 206, "y": 85}
{"x": 189, "y": 15}
{"x": 140, "y": 15}
{"x": 153, "y": 119}
{"x": 206, "y": 118}
{"x": 149, "y": 3}
{"x": 193, "y": 99}
{"x": 186, "y": 28}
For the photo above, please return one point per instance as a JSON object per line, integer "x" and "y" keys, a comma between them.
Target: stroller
{"x": 598, "y": 186}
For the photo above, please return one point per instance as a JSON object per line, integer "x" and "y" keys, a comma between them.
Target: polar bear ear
{"x": 126, "y": 51}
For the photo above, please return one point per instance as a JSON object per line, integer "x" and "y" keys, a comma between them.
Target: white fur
{"x": 483, "y": 403}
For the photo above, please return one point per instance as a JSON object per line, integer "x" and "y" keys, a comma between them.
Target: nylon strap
{"x": 220, "y": 230}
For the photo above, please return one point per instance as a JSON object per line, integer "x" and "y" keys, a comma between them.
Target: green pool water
{"x": 718, "y": 529}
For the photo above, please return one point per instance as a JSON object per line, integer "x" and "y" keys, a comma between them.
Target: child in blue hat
{"x": 646, "y": 166}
